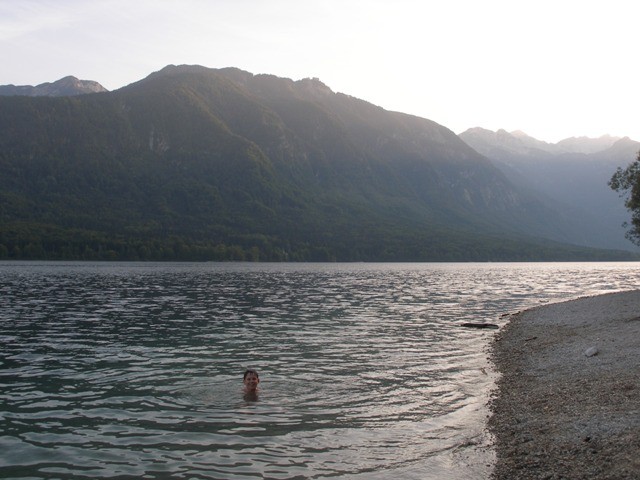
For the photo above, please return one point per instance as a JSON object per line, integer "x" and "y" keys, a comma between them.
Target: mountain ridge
{"x": 199, "y": 163}
{"x": 67, "y": 86}
{"x": 519, "y": 142}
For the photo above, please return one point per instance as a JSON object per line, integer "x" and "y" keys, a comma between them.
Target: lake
{"x": 134, "y": 370}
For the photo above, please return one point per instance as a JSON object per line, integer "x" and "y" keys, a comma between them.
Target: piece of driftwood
{"x": 479, "y": 325}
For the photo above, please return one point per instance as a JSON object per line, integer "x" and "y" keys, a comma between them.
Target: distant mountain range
{"x": 65, "y": 87}
{"x": 571, "y": 174}
{"x": 503, "y": 144}
{"x": 193, "y": 163}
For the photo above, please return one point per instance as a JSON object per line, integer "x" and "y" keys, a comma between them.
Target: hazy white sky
{"x": 552, "y": 68}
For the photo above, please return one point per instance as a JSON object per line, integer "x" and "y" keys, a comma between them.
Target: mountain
{"x": 65, "y": 87}
{"x": 588, "y": 145}
{"x": 573, "y": 174}
{"x": 502, "y": 144}
{"x": 218, "y": 164}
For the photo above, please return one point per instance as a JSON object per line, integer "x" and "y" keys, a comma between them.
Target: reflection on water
{"x": 135, "y": 370}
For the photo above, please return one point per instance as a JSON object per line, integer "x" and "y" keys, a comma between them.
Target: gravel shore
{"x": 567, "y": 402}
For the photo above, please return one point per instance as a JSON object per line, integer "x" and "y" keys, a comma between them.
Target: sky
{"x": 551, "y": 68}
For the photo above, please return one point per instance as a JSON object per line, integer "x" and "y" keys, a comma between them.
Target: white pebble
{"x": 591, "y": 351}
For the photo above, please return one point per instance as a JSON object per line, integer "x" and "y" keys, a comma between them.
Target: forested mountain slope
{"x": 197, "y": 163}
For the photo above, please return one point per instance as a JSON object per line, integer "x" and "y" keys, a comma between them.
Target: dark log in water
{"x": 480, "y": 325}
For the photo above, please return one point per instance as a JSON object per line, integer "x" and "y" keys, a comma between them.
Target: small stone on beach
{"x": 591, "y": 351}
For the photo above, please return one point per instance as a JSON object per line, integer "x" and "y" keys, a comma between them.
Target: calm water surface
{"x": 135, "y": 370}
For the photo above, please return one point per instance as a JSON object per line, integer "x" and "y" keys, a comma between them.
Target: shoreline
{"x": 567, "y": 400}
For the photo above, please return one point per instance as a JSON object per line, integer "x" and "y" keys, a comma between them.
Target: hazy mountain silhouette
{"x": 573, "y": 174}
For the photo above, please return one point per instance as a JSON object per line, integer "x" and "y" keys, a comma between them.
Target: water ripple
{"x": 132, "y": 370}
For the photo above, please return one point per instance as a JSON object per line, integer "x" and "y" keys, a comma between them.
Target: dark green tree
{"x": 627, "y": 183}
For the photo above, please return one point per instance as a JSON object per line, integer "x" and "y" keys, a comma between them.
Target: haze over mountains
{"x": 217, "y": 164}
{"x": 572, "y": 174}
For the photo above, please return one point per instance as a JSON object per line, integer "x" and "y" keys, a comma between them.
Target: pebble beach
{"x": 567, "y": 399}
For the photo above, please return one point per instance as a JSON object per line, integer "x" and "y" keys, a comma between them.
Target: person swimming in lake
{"x": 251, "y": 380}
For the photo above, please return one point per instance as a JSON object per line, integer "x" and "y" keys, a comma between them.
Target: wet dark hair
{"x": 250, "y": 370}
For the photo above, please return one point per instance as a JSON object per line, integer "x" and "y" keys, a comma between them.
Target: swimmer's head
{"x": 251, "y": 380}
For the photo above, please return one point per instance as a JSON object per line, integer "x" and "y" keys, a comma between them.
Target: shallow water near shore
{"x": 134, "y": 370}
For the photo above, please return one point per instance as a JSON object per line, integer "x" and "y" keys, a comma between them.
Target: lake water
{"x": 134, "y": 370}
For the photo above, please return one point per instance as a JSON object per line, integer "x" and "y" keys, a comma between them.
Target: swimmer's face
{"x": 251, "y": 381}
